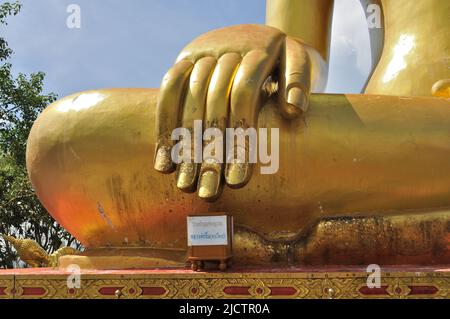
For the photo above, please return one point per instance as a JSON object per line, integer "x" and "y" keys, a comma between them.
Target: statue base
{"x": 124, "y": 258}
{"x": 285, "y": 283}
{"x": 416, "y": 239}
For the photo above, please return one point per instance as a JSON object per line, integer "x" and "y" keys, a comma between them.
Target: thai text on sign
{"x": 207, "y": 230}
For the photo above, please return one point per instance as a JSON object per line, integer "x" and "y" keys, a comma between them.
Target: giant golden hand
{"x": 219, "y": 78}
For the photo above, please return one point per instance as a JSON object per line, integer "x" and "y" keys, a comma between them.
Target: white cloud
{"x": 132, "y": 44}
{"x": 350, "y": 61}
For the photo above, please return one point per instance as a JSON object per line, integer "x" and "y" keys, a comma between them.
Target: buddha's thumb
{"x": 294, "y": 80}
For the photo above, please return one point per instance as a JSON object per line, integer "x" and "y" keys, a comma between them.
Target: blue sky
{"x": 133, "y": 43}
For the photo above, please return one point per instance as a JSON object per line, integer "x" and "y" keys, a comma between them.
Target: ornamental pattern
{"x": 288, "y": 285}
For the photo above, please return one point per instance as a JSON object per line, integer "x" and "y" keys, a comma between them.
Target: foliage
{"x": 21, "y": 101}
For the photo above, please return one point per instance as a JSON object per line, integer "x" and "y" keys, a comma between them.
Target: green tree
{"x": 21, "y": 101}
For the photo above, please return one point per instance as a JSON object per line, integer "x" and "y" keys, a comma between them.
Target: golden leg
{"x": 421, "y": 238}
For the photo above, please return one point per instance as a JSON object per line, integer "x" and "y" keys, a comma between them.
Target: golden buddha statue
{"x": 362, "y": 178}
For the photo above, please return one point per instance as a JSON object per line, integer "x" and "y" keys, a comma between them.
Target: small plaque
{"x": 210, "y": 239}
{"x": 207, "y": 230}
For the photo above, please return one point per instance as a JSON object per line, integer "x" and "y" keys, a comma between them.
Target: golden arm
{"x": 309, "y": 22}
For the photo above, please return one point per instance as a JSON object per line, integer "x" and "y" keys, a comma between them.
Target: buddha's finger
{"x": 193, "y": 111}
{"x": 255, "y": 68}
{"x": 294, "y": 80}
{"x": 217, "y": 105}
{"x": 167, "y": 110}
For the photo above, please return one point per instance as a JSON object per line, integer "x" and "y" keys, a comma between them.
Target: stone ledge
{"x": 286, "y": 283}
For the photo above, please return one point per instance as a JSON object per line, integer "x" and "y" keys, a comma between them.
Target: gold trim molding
{"x": 181, "y": 284}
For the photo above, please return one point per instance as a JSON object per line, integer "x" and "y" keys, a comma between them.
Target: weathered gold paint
{"x": 416, "y": 48}
{"x": 90, "y": 160}
{"x": 382, "y": 161}
{"x": 410, "y": 52}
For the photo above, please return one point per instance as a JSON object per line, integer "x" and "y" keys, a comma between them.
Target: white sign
{"x": 207, "y": 230}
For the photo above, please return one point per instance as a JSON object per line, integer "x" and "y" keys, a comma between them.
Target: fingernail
{"x": 297, "y": 97}
{"x": 163, "y": 160}
{"x": 236, "y": 174}
{"x": 209, "y": 185}
{"x": 186, "y": 176}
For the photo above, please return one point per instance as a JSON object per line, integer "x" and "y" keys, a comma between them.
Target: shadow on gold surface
{"x": 376, "y": 164}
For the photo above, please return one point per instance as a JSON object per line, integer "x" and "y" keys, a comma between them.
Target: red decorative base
{"x": 290, "y": 283}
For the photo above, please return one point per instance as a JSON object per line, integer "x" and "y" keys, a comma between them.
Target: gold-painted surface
{"x": 6, "y": 286}
{"x": 90, "y": 154}
{"x": 302, "y": 284}
{"x": 303, "y": 19}
{"x": 89, "y": 157}
{"x": 29, "y": 251}
{"x": 230, "y": 94}
{"x": 419, "y": 239}
{"x": 410, "y": 50}
{"x": 441, "y": 88}
{"x": 410, "y": 46}
{"x": 34, "y": 255}
{"x": 416, "y": 48}
{"x": 125, "y": 258}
